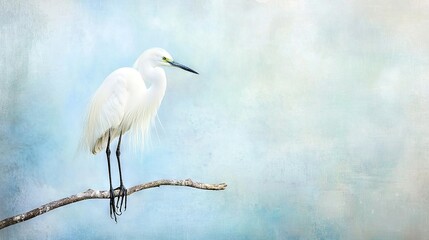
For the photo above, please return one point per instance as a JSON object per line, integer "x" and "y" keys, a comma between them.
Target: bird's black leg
{"x": 112, "y": 196}
{"x": 122, "y": 190}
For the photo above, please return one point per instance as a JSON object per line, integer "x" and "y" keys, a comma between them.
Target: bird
{"x": 123, "y": 103}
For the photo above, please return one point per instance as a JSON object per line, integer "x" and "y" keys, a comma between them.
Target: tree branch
{"x": 94, "y": 194}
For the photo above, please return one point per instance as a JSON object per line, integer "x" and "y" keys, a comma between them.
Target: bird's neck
{"x": 158, "y": 87}
{"x": 157, "y": 80}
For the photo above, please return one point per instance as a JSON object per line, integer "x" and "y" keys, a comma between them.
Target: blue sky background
{"x": 315, "y": 114}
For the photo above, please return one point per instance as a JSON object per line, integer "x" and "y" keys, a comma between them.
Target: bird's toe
{"x": 113, "y": 212}
{"x": 122, "y": 199}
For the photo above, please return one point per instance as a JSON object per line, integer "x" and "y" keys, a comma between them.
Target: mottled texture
{"x": 94, "y": 194}
{"x": 315, "y": 113}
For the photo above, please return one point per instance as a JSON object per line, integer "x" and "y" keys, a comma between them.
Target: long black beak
{"x": 176, "y": 64}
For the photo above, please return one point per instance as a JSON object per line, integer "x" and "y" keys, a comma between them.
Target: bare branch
{"x": 94, "y": 194}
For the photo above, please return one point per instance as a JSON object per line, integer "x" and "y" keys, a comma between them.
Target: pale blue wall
{"x": 315, "y": 114}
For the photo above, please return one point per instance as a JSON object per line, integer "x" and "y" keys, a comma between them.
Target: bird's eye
{"x": 164, "y": 58}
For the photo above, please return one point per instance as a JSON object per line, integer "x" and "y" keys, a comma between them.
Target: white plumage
{"x": 123, "y": 103}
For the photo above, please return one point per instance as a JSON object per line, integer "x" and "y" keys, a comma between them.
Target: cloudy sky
{"x": 315, "y": 114}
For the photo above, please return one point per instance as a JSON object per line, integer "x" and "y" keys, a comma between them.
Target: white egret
{"x": 122, "y": 103}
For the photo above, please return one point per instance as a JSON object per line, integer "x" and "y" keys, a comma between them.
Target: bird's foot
{"x": 113, "y": 212}
{"x": 122, "y": 198}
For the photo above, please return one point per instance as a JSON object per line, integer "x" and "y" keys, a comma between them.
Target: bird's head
{"x": 161, "y": 58}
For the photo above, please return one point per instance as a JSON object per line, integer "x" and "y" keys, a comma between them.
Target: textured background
{"x": 315, "y": 114}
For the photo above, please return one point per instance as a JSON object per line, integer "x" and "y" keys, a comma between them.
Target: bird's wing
{"x": 107, "y": 109}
